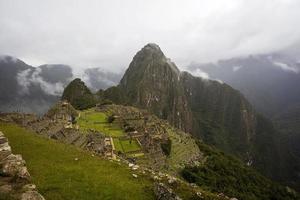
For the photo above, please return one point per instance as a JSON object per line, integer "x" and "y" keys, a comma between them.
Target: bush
{"x": 166, "y": 147}
{"x": 111, "y": 119}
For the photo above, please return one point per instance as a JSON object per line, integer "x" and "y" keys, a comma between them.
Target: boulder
{"x": 31, "y": 195}
{"x": 162, "y": 192}
{"x": 14, "y": 165}
{"x": 5, "y": 189}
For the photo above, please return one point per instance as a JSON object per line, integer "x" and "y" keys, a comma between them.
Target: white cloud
{"x": 236, "y": 68}
{"x": 108, "y": 33}
{"x": 200, "y": 73}
{"x": 22, "y": 79}
{"x": 28, "y": 77}
{"x": 286, "y": 67}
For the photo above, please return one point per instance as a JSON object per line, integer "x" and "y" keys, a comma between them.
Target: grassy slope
{"x": 58, "y": 176}
{"x": 89, "y": 119}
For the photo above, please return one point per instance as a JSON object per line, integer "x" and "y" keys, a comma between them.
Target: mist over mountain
{"x": 270, "y": 82}
{"x": 25, "y": 88}
{"x": 97, "y": 78}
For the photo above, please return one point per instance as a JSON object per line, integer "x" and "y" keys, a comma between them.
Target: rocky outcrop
{"x": 15, "y": 180}
{"x": 152, "y": 81}
{"x": 162, "y": 192}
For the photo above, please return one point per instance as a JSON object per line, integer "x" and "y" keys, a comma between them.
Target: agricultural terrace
{"x": 98, "y": 121}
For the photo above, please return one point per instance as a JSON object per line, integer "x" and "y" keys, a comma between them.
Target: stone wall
{"x": 15, "y": 180}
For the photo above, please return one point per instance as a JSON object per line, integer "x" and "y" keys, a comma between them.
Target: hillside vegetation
{"x": 229, "y": 175}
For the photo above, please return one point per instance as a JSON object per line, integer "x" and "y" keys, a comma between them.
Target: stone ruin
{"x": 15, "y": 180}
{"x": 146, "y": 129}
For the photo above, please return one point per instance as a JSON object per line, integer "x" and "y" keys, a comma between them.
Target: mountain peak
{"x": 152, "y": 46}
{"x": 79, "y": 95}
{"x": 150, "y": 51}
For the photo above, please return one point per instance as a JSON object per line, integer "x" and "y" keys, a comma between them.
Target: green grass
{"x": 117, "y": 144}
{"x": 128, "y": 147}
{"x": 125, "y": 146}
{"x": 58, "y": 176}
{"x": 90, "y": 119}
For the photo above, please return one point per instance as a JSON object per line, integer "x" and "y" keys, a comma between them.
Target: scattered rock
{"x": 162, "y": 192}
{"x": 130, "y": 165}
{"x": 134, "y": 175}
{"x": 199, "y": 194}
{"x": 193, "y": 185}
{"x": 5, "y": 189}
{"x": 156, "y": 178}
{"x": 29, "y": 187}
{"x": 135, "y": 167}
{"x": 32, "y": 195}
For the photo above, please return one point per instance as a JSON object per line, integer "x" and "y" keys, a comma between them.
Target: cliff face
{"x": 153, "y": 82}
{"x": 221, "y": 115}
{"x": 207, "y": 109}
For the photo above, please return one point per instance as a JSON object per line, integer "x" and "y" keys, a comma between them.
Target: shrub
{"x": 166, "y": 147}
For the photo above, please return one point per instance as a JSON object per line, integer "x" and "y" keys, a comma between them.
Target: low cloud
{"x": 200, "y": 73}
{"x": 29, "y": 77}
{"x": 97, "y": 78}
{"x": 87, "y": 33}
{"x": 286, "y": 67}
{"x": 236, "y": 68}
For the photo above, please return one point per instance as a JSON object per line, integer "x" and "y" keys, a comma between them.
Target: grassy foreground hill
{"x": 63, "y": 171}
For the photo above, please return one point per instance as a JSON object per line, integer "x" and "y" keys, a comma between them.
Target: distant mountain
{"x": 29, "y": 89}
{"x": 24, "y": 88}
{"x": 270, "y": 82}
{"x": 209, "y": 110}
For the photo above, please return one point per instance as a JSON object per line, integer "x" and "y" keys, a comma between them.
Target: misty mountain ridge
{"x": 25, "y": 88}
{"x": 268, "y": 81}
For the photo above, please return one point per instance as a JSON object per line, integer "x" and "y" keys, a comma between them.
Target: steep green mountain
{"x": 79, "y": 95}
{"x": 207, "y": 109}
{"x": 152, "y": 81}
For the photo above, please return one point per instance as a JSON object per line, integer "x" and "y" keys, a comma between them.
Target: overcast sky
{"x": 107, "y": 33}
